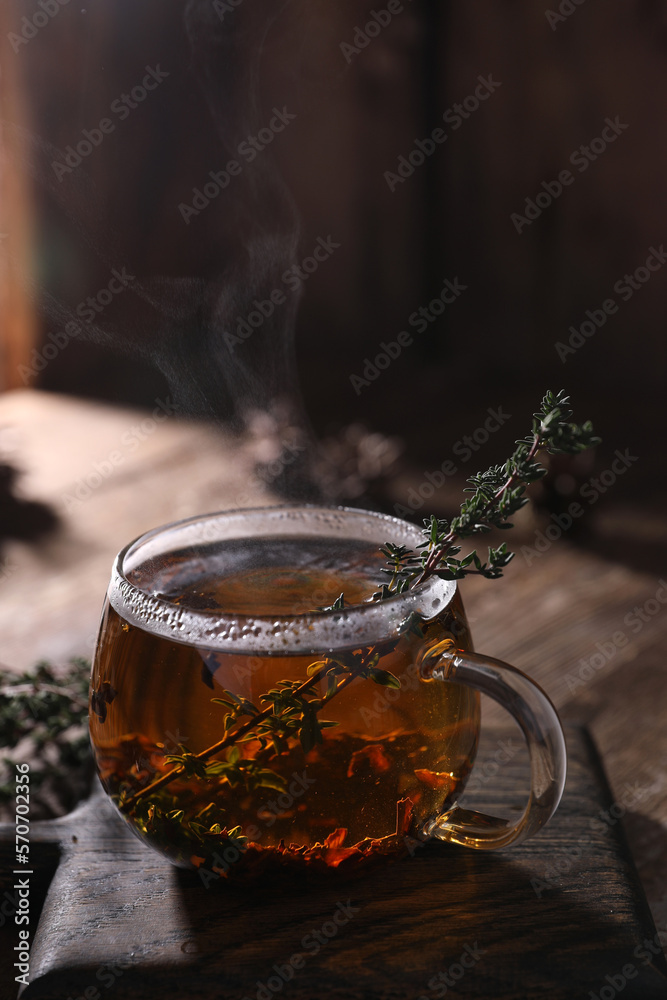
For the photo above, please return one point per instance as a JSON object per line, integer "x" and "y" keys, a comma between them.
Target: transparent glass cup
{"x": 228, "y": 712}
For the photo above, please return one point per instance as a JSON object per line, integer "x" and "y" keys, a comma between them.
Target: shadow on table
{"x": 25, "y": 520}
{"x": 483, "y": 924}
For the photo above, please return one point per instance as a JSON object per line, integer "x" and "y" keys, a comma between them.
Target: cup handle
{"x": 540, "y": 724}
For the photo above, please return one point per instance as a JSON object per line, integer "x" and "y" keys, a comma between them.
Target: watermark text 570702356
{"x": 22, "y": 884}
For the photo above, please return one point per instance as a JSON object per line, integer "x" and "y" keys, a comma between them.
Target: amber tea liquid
{"x": 153, "y": 697}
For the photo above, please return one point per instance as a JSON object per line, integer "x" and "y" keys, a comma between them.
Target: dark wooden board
{"x": 559, "y": 916}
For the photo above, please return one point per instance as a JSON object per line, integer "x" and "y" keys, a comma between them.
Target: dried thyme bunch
{"x": 43, "y": 719}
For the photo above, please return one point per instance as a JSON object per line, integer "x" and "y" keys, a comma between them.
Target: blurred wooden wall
{"x": 18, "y": 323}
{"x": 356, "y": 117}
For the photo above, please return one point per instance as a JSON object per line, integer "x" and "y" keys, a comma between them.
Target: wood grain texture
{"x": 551, "y": 917}
{"x": 547, "y": 617}
{"x": 163, "y": 468}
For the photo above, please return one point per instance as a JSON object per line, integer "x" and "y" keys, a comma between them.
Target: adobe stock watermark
{"x": 606, "y": 650}
{"x": 276, "y": 808}
{"x": 292, "y": 279}
{"x": 122, "y": 107}
{"x": 131, "y": 439}
{"x": 464, "y": 449}
{"x": 631, "y": 796}
{"x": 270, "y": 471}
{"x": 87, "y": 311}
{"x": 420, "y": 319}
{"x": 484, "y": 771}
{"x": 454, "y": 116}
{"x": 364, "y": 34}
{"x": 591, "y": 491}
{"x": 7, "y": 570}
{"x": 106, "y": 976}
{"x": 219, "y": 865}
{"x": 581, "y": 158}
{"x": 565, "y": 10}
{"x": 615, "y": 983}
{"x": 222, "y": 7}
{"x": 439, "y": 985}
{"x": 247, "y": 150}
{"x": 32, "y": 25}
{"x": 312, "y": 943}
{"x": 625, "y": 288}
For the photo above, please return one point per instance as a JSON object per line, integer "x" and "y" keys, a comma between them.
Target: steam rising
{"x": 180, "y": 323}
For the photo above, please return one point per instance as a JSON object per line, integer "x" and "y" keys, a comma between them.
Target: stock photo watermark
{"x": 464, "y": 449}
{"x": 440, "y": 984}
{"x": 22, "y": 885}
{"x": 420, "y": 320}
{"x": 106, "y": 976}
{"x": 222, "y": 7}
{"x": 552, "y": 874}
{"x": 312, "y": 943}
{"x": 615, "y": 982}
{"x": 87, "y": 310}
{"x": 7, "y": 570}
{"x": 625, "y": 288}
{"x": 454, "y": 116}
{"x": 591, "y": 491}
{"x": 219, "y": 865}
{"x": 248, "y": 150}
{"x": 130, "y": 440}
{"x": 292, "y": 279}
{"x": 33, "y": 24}
{"x": 565, "y": 10}
{"x": 485, "y": 771}
{"x": 581, "y": 158}
{"x": 271, "y": 471}
{"x": 606, "y": 649}
{"x": 122, "y": 107}
{"x": 364, "y": 34}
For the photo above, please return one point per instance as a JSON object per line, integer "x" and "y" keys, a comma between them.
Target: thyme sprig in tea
{"x": 291, "y": 713}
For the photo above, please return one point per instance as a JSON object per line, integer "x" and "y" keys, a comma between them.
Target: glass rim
{"x": 275, "y": 634}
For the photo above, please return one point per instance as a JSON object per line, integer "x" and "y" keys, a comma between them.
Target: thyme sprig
{"x": 289, "y": 713}
{"x": 497, "y": 494}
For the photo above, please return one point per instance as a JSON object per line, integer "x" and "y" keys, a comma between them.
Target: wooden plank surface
{"x": 555, "y": 916}
{"x": 162, "y": 469}
{"x": 550, "y": 618}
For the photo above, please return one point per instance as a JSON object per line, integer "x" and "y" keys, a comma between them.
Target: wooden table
{"x": 589, "y": 629}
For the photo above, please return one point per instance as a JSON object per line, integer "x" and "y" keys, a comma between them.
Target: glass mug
{"x": 228, "y": 711}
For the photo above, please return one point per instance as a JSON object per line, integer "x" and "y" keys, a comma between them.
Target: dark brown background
{"x": 495, "y": 345}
